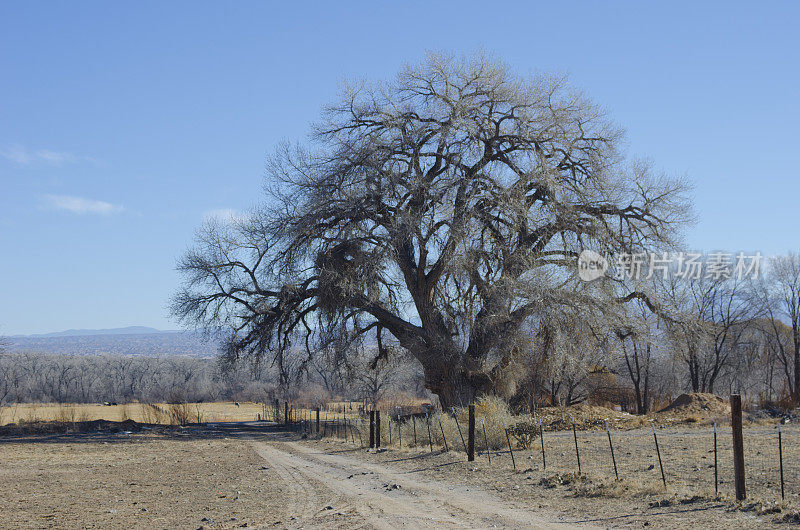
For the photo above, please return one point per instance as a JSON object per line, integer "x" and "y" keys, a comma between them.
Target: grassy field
{"x": 164, "y": 413}
{"x": 140, "y": 412}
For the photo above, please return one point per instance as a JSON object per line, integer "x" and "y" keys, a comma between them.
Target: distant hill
{"x": 130, "y": 330}
{"x": 134, "y": 340}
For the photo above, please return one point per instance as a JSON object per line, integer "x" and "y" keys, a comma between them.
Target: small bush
{"x": 180, "y": 413}
{"x": 524, "y": 433}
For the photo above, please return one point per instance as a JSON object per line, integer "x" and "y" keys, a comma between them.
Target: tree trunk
{"x": 694, "y": 373}
{"x": 796, "y": 340}
{"x": 450, "y": 382}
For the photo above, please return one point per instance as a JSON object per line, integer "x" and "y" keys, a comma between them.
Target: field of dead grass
{"x": 140, "y": 412}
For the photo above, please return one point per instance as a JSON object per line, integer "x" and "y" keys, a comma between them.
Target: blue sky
{"x": 123, "y": 125}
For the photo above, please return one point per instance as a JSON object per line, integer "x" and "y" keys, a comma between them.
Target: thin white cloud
{"x": 22, "y": 156}
{"x": 80, "y": 205}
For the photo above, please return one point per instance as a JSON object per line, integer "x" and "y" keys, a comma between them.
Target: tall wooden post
{"x": 372, "y": 429}
{"x": 317, "y": 420}
{"x": 738, "y": 446}
{"x": 377, "y": 429}
{"x": 471, "y": 435}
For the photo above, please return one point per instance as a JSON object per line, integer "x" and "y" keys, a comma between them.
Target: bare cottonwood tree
{"x": 714, "y": 317}
{"x": 639, "y": 338}
{"x": 779, "y": 295}
{"x": 442, "y": 211}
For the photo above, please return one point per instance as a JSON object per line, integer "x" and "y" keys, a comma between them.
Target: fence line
{"x": 679, "y": 457}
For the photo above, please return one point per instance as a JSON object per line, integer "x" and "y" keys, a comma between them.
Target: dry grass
{"x": 141, "y": 412}
{"x": 686, "y": 451}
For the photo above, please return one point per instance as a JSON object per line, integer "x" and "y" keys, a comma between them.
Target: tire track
{"x": 383, "y": 498}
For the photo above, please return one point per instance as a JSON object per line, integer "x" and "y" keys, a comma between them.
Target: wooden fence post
{"x": 738, "y": 447}
{"x": 377, "y": 429}
{"x": 372, "y": 429}
{"x": 471, "y": 435}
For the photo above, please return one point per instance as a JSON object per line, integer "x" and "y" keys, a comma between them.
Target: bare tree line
{"x": 723, "y": 335}
{"x": 34, "y": 377}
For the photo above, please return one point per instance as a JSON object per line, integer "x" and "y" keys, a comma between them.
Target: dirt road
{"x": 328, "y": 488}
{"x": 258, "y": 475}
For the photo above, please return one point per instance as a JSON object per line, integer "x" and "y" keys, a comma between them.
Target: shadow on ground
{"x": 122, "y": 431}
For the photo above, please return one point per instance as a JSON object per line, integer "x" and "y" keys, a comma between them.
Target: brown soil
{"x": 696, "y": 408}
{"x": 586, "y": 417}
{"x": 697, "y": 405}
{"x": 221, "y": 477}
{"x": 109, "y": 481}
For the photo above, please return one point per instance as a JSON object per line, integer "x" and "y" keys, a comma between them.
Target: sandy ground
{"x": 239, "y": 476}
{"x": 141, "y": 481}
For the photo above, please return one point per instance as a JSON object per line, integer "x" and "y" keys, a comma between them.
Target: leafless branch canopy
{"x": 443, "y": 211}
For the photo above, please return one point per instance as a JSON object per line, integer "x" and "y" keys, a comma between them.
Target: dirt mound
{"x": 586, "y": 417}
{"x": 697, "y": 406}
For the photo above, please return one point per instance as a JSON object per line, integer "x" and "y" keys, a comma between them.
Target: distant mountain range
{"x": 130, "y": 330}
{"x": 132, "y": 340}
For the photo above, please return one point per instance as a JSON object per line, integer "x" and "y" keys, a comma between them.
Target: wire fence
{"x": 627, "y": 458}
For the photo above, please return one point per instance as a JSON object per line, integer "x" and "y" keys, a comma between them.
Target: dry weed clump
{"x": 594, "y": 486}
{"x": 151, "y": 413}
{"x": 180, "y": 413}
{"x": 65, "y": 414}
{"x": 31, "y": 415}
{"x": 411, "y": 429}
{"x": 448, "y": 429}
{"x": 494, "y": 413}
